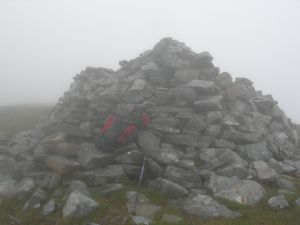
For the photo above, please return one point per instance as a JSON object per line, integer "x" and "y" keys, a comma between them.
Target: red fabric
{"x": 145, "y": 119}
{"x": 129, "y": 130}
{"x": 109, "y": 123}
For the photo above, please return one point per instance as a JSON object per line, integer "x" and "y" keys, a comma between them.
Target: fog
{"x": 44, "y": 43}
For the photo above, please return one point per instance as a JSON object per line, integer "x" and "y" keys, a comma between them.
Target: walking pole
{"x": 140, "y": 183}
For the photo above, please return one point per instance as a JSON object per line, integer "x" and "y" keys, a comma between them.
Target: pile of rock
{"x": 209, "y": 135}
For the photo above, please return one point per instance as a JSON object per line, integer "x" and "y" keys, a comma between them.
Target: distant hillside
{"x": 15, "y": 118}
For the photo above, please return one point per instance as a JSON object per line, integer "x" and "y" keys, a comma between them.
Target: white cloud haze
{"x": 44, "y": 43}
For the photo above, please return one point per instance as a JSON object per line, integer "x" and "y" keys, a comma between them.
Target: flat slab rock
{"x": 246, "y": 192}
{"x": 204, "y": 206}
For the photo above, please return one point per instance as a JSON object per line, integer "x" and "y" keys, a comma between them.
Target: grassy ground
{"x": 113, "y": 211}
{"x": 17, "y": 118}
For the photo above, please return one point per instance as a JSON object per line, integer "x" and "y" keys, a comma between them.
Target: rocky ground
{"x": 215, "y": 147}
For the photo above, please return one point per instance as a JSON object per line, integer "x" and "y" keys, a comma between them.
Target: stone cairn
{"x": 209, "y": 136}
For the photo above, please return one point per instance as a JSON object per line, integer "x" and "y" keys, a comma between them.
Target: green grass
{"x": 16, "y": 118}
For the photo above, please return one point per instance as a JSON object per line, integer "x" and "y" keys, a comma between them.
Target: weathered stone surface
{"x": 49, "y": 207}
{"x": 7, "y": 186}
{"x": 102, "y": 176}
{"x": 281, "y": 167}
{"x": 168, "y": 188}
{"x": 61, "y": 165}
{"x": 264, "y": 172}
{"x": 147, "y": 140}
{"x": 280, "y": 138}
{"x": 78, "y": 205}
{"x": 139, "y": 220}
{"x": 185, "y": 178}
{"x": 286, "y": 184}
{"x": 186, "y": 75}
{"x": 202, "y": 86}
{"x": 8, "y": 167}
{"x": 89, "y": 157}
{"x": 205, "y": 206}
{"x": 279, "y": 202}
{"x": 239, "y": 137}
{"x": 297, "y": 202}
{"x": 209, "y": 104}
{"x": 242, "y": 191}
{"x": 189, "y": 140}
{"x": 218, "y": 157}
{"x": 253, "y": 152}
{"x": 24, "y": 188}
{"x": 77, "y": 185}
{"x": 36, "y": 200}
{"x": 143, "y": 208}
{"x": 50, "y": 181}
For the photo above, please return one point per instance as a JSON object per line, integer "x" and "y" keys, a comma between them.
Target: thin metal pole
{"x": 140, "y": 183}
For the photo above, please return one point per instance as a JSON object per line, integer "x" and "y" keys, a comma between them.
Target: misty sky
{"x": 44, "y": 43}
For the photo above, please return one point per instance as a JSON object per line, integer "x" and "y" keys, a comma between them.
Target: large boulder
{"x": 62, "y": 165}
{"x": 204, "y": 206}
{"x": 242, "y": 191}
{"x": 279, "y": 202}
{"x": 78, "y": 205}
{"x": 253, "y": 152}
{"x": 264, "y": 172}
{"x": 168, "y": 188}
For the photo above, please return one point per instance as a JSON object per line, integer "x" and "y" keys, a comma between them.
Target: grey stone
{"x": 139, "y": 220}
{"x": 202, "y": 86}
{"x": 165, "y": 155}
{"x": 108, "y": 188}
{"x": 286, "y": 184}
{"x": 50, "y": 181}
{"x": 168, "y": 188}
{"x": 77, "y": 185}
{"x": 36, "y": 200}
{"x": 61, "y": 165}
{"x": 7, "y": 186}
{"x": 205, "y": 206}
{"x": 184, "y": 93}
{"x": 281, "y": 167}
{"x": 189, "y": 140}
{"x": 78, "y": 205}
{"x": 239, "y": 137}
{"x": 297, "y": 202}
{"x": 148, "y": 140}
{"x": 264, "y": 172}
{"x": 242, "y": 191}
{"x": 209, "y": 103}
{"x": 143, "y": 208}
{"x": 8, "y": 167}
{"x": 254, "y": 152}
{"x": 138, "y": 85}
{"x": 186, "y": 75}
{"x": 214, "y": 117}
{"x": 89, "y": 157}
{"x": 279, "y": 202}
{"x": 24, "y": 188}
{"x": 102, "y": 176}
{"x": 236, "y": 91}
{"x": 194, "y": 126}
{"x": 233, "y": 171}
{"x": 185, "y": 178}
{"x": 49, "y": 207}
{"x": 213, "y": 130}
{"x": 221, "y": 143}
{"x": 224, "y": 80}
{"x": 218, "y": 157}
{"x": 280, "y": 138}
